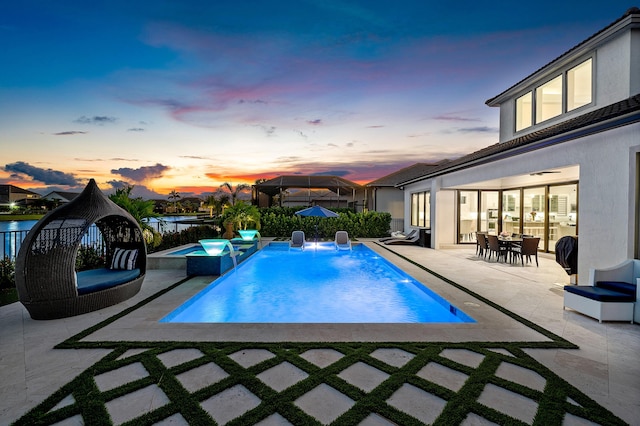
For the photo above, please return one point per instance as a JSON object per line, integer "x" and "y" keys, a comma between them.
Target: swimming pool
{"x": 316, "y": 285}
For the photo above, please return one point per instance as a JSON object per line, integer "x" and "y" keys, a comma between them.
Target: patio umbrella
{"x": 317, "y": 211}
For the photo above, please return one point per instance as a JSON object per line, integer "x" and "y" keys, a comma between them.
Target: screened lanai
{"x": 328, "y": 191}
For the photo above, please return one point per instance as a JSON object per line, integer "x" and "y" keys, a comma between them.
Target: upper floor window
{"x": 579, "y": 88}
{"x": 524, "y": 110}
{"x": 563, "y": 93}
{"x": 549, "y": 100}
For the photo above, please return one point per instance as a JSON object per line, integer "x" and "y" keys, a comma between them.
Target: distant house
{"x": 567, "y": 162}
{"x": 307, "y": 190}
{"x": 60, "y": 197}
{"x": 384, "y": 194}
{"x": 13, "y": 195}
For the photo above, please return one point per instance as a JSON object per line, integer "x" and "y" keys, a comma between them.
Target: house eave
{"x": 612, "y": 123}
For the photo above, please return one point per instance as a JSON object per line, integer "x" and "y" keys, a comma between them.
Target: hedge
{"x": 282, "y": 221}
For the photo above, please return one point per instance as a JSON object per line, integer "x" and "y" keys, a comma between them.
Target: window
{"x": 575, "y": 91}
{"x": 421, "y": 209}
{"x": 579, "y": 85}
{"x": 489, "y": 211}
{"x": 511, "y": 211}
{"x": 468, "y": 208}
{"x": 524, "y": 111}
{"x": 549, "y": 100}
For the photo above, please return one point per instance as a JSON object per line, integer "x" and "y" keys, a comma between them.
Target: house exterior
{"x": 383, "y": 194}
{"x": 567, "y": 161}
{"x": 11, "y": 195}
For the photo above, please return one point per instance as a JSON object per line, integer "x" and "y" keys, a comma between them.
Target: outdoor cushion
{"x": 619, "y": 286}
{"x": 124, "y": 259}
{"x": 599, "y": 293}
{"x": 100, "y": 279}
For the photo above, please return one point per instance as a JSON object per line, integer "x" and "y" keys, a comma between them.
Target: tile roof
{"x": 402, "y": 175}
{"x": 66, "y": 195}
{"x": 625, "y": 111}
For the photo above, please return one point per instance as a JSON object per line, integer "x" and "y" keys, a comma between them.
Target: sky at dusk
{"x": 186, "y": 95}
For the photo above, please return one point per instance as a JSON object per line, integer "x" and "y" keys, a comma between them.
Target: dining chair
{"x": 482, "y": 246}
{"x": 529, "y": 247}
{"x": 479, "y": 236}
{"x": 495, "y": 247}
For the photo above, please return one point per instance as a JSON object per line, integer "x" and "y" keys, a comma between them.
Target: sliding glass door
{"x": 489, "y": 211}
{"x": 468, "y": 216}
{"x": 563, "y": 212}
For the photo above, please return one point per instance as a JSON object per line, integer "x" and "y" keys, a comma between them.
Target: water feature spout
{"x": 249, "y": 235}
{"x": 216, "y": 247}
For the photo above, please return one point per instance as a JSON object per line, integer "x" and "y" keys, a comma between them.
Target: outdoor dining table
{"x": 509, "y": 242}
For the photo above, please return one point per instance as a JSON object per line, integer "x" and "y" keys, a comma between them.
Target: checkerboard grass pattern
{"x": 548, "y": 397}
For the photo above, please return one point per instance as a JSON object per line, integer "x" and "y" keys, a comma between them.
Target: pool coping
{"x": 492, "y": 324}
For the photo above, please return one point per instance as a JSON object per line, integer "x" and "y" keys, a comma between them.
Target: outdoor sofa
{"x": 612, "y": 293}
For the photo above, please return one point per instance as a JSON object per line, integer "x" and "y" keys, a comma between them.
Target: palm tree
{"x": 234, "y": 192}
{"x": 213, "y": 204}
{"x": 242, "y": 215}
{"x": 175, "y": 196}
{"x": 141, "y": 211}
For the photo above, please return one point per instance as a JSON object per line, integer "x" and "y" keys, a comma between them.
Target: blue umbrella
{"x": 317, "y": 211}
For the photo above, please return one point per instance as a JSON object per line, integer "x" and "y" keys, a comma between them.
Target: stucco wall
{"x": 612, "y": 71}
{"x": 635, "y": 61}
{"x": 390, "y": 200}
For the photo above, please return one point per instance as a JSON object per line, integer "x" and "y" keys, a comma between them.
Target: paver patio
{"x": 232, "y": 369}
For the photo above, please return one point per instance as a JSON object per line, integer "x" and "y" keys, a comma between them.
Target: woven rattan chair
{"x": 46, "y": 279}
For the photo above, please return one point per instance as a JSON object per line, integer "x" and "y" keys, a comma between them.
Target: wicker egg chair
{"x": 46, "y": 279}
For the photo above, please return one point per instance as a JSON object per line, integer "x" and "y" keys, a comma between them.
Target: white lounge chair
{"x": 342, "y": 241}
{"x": 399, "y": 236}
{"x": 408, "y": 240}
{"x": 297, "y": 240}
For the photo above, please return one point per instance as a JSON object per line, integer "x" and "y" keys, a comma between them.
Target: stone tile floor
{"x": 606, "y": 368}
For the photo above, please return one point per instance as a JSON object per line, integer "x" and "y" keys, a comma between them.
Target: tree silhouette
{"x": 175, "y": 196}
{"x": 235, "y": 191}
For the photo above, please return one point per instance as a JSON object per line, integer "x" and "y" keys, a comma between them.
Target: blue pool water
{"x": 278, "y": 285}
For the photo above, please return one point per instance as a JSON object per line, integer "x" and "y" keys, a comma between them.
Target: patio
{"x": 605, "y": 368}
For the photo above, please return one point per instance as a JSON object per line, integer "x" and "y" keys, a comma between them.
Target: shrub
{"x": 282, "y": 221}
{"x": 186, "y": 236}
{"x": 7, "y": 273}
{"x": 89, "y": 258}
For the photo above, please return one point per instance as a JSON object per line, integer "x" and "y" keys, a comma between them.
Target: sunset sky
{"x": 185, "y": 95}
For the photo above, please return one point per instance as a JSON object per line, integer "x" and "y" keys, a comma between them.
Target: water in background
{"x": 12, "y": 233}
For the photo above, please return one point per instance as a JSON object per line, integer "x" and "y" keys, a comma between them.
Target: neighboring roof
{"x": 332, "y": 183}
{"x": 618, "y": 114}
{"x": 402, "y": 175}
{"x": 634, "y": 12}
{"x": 16, "y": 190}
{"x": 64, "y": 195}
{"x": 7, "y": 190}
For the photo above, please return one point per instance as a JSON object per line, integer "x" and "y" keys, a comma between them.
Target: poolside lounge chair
{"x": 408, "y": 240}
{"x": 297, "y": 240}
{"x": 399, "y": 236}
{"x": 342, "y": 241}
